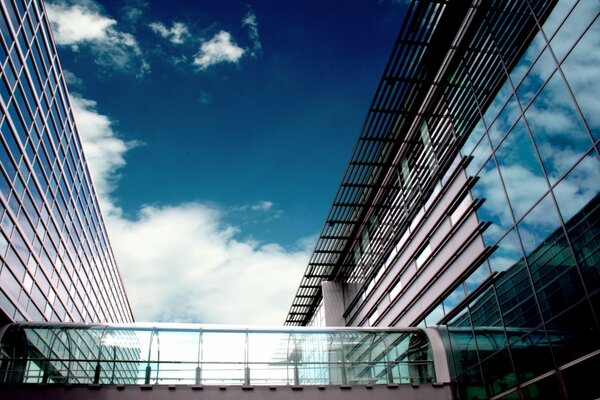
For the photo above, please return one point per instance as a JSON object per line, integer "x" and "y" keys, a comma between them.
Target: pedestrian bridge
{"x": 187, "y": 361}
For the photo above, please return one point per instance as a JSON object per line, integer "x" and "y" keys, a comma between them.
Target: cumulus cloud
{"x": 197, "y": 270}
{"x": 176, "y": 34}
{"x": 219, "y": 49}
{"x": 184, "y": 262}
{"x": 249, "y": 22}
{"x": 82, "y": 24}
{"x": 104, "y": 150}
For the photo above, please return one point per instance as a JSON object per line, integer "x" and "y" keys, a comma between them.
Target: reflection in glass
{"x": 454, "y": 298}
{"x": 539, "y": 74}
{"x": 582, "y": 70}
{"x": 480, "y": 154}
{"x": 507, "y": 118}
{"x": 507, "y": 254}
{"x": 495, "y": 207}
{"x": 579, "y": 186}
{"x": 520, "y": 170}
{"x": 473, "y": 138}
{"x": 573, "y": 27}
{"x": 557, "y": 129}
{"x": 538, "y": 224}
{"x": 476, "y": 277}
{"x": 531, "y": 354}
{"x": 516, "y": 299}
{"x": 191, "y": 354}
{"x": 498, "y": 372}
{"x": 498, "y": 103}
{"x": 527, "y": 59}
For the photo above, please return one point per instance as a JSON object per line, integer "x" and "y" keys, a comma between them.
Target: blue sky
{"x": 217, "y": 133}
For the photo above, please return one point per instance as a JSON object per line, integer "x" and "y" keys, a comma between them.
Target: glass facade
{"x": 211, "y": 355}
{"x": 486, "y": 200}
{"x": 56, "y": 263}
{"x": 538, "y": 167}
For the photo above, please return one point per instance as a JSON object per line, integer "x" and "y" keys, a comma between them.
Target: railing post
{"x": 296, "y": 374}
{"x": 344, "y": 377}
{"x": 198, "y": 375}
{"x": 97, "y": 373}
{"x": 148, "y": 372}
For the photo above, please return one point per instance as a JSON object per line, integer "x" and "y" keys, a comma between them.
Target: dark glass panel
{"x": 484, "y": 310}
{"x": 581, "y": 380}
{"x": 521, "y": 171}
{"x": 12, "y": 14}
{"x": 5, "y": 30}
{"x": 573, "y": 334}
{"x": 498, "y": 373}
{"x": 517, "y": 302}
{"x": 4, "y": 91}
{"x": 546, "y": 389}
{"x": 559, "y": 133}
{"x": 582, "y": 70}
{"x": 495, "y": 208}
{"x": 469, "y": 386}
{"x": 531, "y": 355}
{"x": 555, "y": 276}
{"x": 584, "y": 234}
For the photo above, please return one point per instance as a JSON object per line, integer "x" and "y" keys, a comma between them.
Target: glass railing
{"x": 212, "y": 355}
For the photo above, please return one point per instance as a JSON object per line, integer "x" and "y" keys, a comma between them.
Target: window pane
{"x": 582, "y": 70}
{"x": 521, "y": 171}
{"x": 557, "y": 129}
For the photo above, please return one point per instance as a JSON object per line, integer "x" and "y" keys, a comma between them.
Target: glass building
{"x": 471, "y": 199}
{"x": 56, "y": 262}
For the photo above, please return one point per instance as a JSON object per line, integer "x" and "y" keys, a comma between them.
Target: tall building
{"x": 56, "y": 262}
{"x": 471, "y": 201}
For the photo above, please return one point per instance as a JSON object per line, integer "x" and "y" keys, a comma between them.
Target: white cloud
{"x": 82, "y": 24}
{"x": 75, "y": 24}
{"x": 218, "y": 50}
{"x": 176, "y": 34}
{"x": 262, "y": 206}
{"x": 72, "y": 80}
{"x": 250, "y": 22}
{"x": 104, "y": 150}
{"x": 183, "y": 262}
{"x": 196, "y": 269}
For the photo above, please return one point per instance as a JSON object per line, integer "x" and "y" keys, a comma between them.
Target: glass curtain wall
{"x": 186, "y": 354}
{"x": 532, "y": 328}
{"x": 56, "y": 263}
